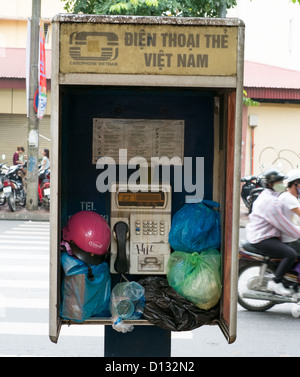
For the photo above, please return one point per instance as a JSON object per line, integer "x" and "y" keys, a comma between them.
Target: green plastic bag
{"x": 196, "y": 276}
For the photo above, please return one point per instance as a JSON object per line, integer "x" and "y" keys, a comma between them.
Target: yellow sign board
{"x": 148, "y": 49}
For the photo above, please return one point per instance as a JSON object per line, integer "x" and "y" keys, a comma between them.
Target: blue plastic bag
{"x": 196, "y": 227}
{"x": 86, "y": 289}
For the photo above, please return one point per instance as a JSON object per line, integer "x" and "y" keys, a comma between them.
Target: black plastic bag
{"x": 165, "y": 308}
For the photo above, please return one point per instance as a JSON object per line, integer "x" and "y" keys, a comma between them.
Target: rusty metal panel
{"x": 197, "y": 50}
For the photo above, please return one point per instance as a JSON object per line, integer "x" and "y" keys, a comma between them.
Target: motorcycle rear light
{"x": 6, "y": 183}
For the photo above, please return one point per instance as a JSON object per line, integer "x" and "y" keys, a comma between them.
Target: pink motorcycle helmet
{"x": 88, "y": 235}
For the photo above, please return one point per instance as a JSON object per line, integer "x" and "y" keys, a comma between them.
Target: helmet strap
{"x": 90, "y": 274}
{"x": 64, "y": 246}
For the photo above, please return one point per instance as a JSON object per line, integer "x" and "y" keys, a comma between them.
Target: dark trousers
{"x": 274, "y": 248}
{"x": 296, "y": 246}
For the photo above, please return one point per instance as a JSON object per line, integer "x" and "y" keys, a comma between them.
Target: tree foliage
{"x": 184, "y": 8}
{"x": 249, "y": 101}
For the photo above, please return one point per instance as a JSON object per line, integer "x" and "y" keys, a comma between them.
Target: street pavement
{"x": 24, "y": 311}
{"x": 24, "y": 296}
{"x": 40, "y": 214}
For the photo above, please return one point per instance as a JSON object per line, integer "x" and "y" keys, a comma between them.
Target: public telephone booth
{"x": 130, "y": 97}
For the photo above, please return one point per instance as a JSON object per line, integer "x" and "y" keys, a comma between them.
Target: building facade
{"x": 271, "y": 130}
{"x": 13, "y": 99}
{"x": 272, "y": 42}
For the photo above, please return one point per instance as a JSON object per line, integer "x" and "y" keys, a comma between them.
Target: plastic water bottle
{"x": 124, "y": 308}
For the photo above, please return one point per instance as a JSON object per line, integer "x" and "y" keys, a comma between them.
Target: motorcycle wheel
{"x": 11, "y": 200}
{"x": 46, "y": 203}
{"x": 23, "y": 203}
{"x": 245, "y": 273}
{"x": 247, "y": 204}
{"x": 250, "y": 205}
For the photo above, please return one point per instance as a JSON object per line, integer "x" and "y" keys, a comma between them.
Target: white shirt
{"x": 290, "y": 202}
{"x": 267, "y": 219}
{"x": 47, "y": 164}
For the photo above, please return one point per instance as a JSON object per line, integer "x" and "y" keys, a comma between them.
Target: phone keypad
{"x": 149, "y": 227}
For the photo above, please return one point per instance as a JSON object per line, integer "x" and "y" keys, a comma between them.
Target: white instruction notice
{"x": 140, "y": 137}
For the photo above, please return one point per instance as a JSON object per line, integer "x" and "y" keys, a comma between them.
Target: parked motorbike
{"x": 255, "y": 271}
{"x": 13, "y": 187}
{"x": 3, "y": 170}
{"x": 44, "y": 188}
{"x": 251, "y": 189}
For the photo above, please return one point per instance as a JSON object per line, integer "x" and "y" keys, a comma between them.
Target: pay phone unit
{"x": 140, "y": 224}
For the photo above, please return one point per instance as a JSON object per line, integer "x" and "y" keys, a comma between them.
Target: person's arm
{"x": 15, "y": 158}
{"x": 296, "y": 211}
{"x": 276, "y": 217}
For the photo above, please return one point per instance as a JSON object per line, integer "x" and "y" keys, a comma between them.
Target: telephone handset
{"x": 140, "y": 223}
{"x": 120, "y": 233}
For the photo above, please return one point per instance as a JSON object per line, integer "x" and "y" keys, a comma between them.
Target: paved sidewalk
{"x": 43, "y": 215}
{"x": 244, "y": 216}
{"x": 22, "y": 214}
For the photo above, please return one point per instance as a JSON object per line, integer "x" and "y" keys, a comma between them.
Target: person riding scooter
{"x": 292, "y": 206}
{"x": 267, "y": 223}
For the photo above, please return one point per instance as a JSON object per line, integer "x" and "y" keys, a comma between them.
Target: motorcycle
{"x": 252, "y": 187}
{"x": 255, "y": 271}
{"x": 3, "y": 170}
{"x": 44, "y": 188}
{"x": 13, "y": 187}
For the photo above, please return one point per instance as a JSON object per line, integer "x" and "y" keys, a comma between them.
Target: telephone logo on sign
{"x": 94, "y": 46}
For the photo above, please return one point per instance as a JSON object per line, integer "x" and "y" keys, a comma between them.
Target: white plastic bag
{"x": 127, "y": 301}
